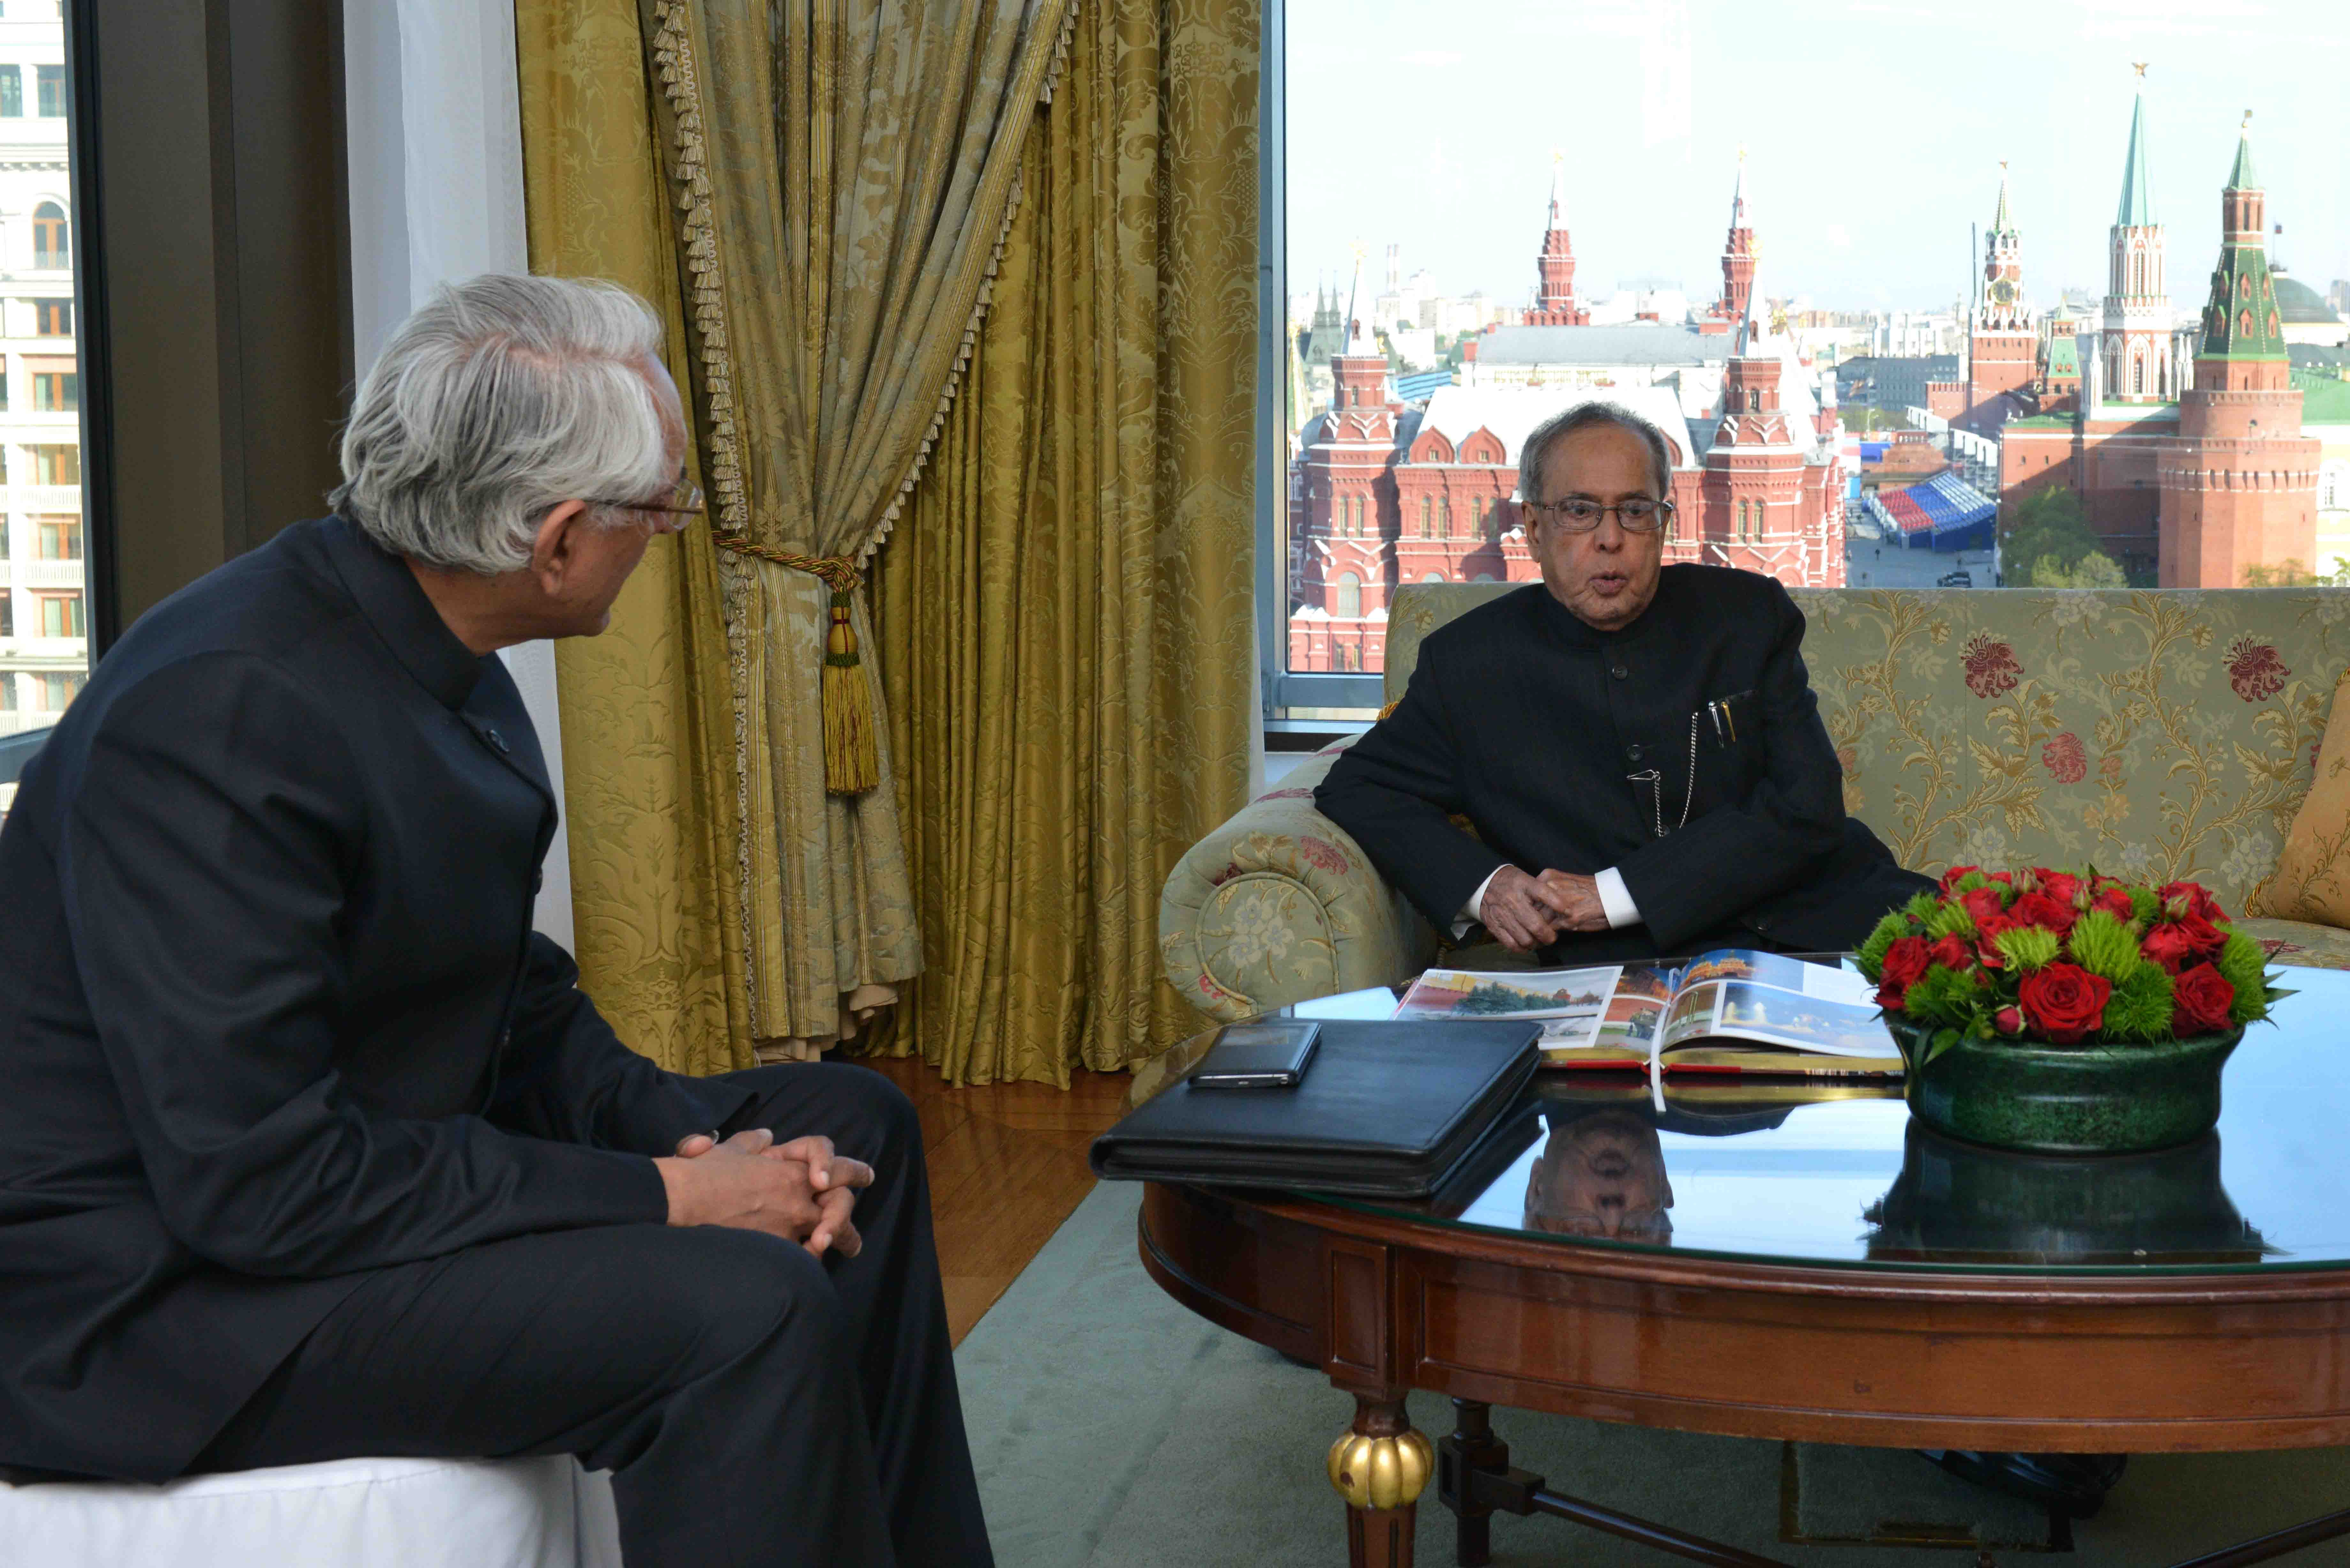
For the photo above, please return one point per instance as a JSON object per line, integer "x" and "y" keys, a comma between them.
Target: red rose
{"x": 1950, "y": 877}
{"x": 2064, "y": 1001}
{"x": 2175, "y": 944}
{"x": 1905, "y": 962}
{"x": 2199, "y": 902}
{"x": 2115, "y": 901}
{"x": 2040, "y": 910}
{"x": 1986, "y": 904}
{"x": 2200, "y": 1001}
{"x": 1952, "y": 954}
{"x": 2063, "y": 887}
{"x": 2008, "y": 1021}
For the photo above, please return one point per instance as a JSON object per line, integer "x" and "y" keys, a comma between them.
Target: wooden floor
{"x": 1007, "y": 1164}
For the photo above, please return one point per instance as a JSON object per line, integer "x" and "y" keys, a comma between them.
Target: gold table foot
{"x": 1381, "y": 1466}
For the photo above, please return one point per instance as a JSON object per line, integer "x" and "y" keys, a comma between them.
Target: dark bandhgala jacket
{"x": 272, "y": 1014}
{"x": 1567, "y": 747}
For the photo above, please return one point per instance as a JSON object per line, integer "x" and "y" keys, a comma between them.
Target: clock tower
{"x": 2003, "y": 348}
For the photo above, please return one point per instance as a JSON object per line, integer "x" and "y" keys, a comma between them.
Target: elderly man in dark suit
{"x": 312, "y": 1148}
{"x": 1637, "y": 744}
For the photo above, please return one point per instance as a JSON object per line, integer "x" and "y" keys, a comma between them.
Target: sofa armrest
{"x": 1279, "y": 905}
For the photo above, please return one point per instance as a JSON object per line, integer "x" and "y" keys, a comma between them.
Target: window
{"x": 1350, "y": 597}
{"x": 1444, "y": 517}
{"x": 52, "y": 83}
{"x": 8, "y": 629}
{"x": 12, "y": 93}
{"x": 61, "y": 615}
{"x": 7, "y": 683}
{"x": 59, "y": 536}
{"x": 53, "y": 317}
{"x": 55, "y": 464}
{"x": 55, "y": 391}
{"x": 56, "y": 689}
{"x": 52, "y": 241}
{"x": 1427, "y": 516}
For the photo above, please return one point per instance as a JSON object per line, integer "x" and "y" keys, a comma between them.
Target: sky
{"x": 1874, "y": 131}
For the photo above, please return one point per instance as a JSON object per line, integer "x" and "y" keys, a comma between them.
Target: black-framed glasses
{"x": 671, "y": 513}
{"x": 1581, "y": 514}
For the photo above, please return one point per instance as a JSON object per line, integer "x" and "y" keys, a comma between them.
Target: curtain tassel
{"x": 852, "y": 757}
{"x": 851, "y": 763}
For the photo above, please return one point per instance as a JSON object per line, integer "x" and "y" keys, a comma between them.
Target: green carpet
{"x": 1114, "y": 1430}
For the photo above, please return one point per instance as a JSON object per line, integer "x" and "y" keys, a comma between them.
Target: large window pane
{"x": 1994, "y": 352}
{"x": 44, "y": 602}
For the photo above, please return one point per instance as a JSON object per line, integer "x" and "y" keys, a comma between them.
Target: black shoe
{"x": 2073, "y": 1485}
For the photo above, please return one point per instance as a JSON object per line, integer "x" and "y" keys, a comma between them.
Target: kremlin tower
{"x": 2002, "y": 351}
{"x": 2239, "y": 483}
{"x": 1555, "y": 301}
{"x": 2135, "y": 348}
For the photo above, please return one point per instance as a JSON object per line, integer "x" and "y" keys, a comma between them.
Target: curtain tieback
{"x": 852, "y": 760}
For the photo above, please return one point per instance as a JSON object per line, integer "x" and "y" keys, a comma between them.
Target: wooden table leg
{"x": 1381, "y": 1466}
{"x": 1471, "y": 1446}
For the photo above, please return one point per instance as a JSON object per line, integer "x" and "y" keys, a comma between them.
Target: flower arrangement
{"x": 2063, "y": 958}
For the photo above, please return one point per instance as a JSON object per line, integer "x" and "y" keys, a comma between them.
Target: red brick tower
{"x": 2240, "y": 481}
{"x": 1555, "y": 301}
{"x": 1753, "y": 483}
{"x": 2134, "y": 343}
{"x": 1348, "y": 566}
{"x": 1739, "y": 255}
{"x": 2003, "y": 348}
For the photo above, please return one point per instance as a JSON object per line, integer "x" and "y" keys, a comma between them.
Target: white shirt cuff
{"x": 1474, "y": 910}
{"x": 1614, "y": 897}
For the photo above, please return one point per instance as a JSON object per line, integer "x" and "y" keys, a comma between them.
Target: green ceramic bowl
{"x": 2067, "y": 1099}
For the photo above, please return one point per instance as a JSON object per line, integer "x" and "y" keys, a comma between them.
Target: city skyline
{"x": 1850, "y": 215}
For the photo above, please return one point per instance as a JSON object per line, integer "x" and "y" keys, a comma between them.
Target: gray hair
{"x": 498, "y": 400}
{"x": 1583, "y": 416}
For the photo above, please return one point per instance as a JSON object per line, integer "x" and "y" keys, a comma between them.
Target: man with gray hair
{"x": 1637, "y": 745}
{"x": 314, "y": 1150}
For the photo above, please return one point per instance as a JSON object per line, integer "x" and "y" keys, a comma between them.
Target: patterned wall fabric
{"x": 1065, "y": 614}
{"x": 2156, "y": 736}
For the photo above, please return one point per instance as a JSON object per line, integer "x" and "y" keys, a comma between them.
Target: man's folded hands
{"x": 1527, "y": 912}
{"x": 800, "y": 1190}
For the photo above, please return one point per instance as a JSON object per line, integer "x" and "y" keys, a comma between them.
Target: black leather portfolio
{"x": 1386, "y": 1110}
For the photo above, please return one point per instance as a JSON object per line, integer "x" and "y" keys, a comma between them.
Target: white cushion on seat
{"x": 347, "y": 1513}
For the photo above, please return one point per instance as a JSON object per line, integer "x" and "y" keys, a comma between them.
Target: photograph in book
{"x": 1769, "y": 1015}
{"x": 1632, "y": 1019}
{"x": 1568, "y": 994}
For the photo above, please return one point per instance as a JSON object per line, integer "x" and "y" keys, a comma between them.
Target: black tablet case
{"x": 1386, "y": 1110}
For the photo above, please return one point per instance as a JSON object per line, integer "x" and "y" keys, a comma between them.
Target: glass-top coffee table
{"x": 1792, "y": 1259}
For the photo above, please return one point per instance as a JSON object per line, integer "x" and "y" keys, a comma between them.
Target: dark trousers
{"x": 755, "y": 1405}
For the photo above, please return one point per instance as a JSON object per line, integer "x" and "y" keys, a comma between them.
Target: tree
{"x": 2291, "y": 574}
{"x": 2095, "y": 570}
{"x": 2044, "y": 538}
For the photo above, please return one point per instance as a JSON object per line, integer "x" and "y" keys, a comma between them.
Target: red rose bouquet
{"x": 2061, "y": 958}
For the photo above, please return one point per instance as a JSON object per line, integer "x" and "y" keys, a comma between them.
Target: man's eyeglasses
{"x": 671, "y": 514}
{"x": 1580, "y": 514}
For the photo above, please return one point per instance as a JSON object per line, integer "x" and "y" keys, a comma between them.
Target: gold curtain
{"x": 842, "y": 169}
{"x": 1065, "y": 616}
{"x": 648, "y": 726}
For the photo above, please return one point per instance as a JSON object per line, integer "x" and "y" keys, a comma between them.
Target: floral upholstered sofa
{"x": 2153, "y": 735}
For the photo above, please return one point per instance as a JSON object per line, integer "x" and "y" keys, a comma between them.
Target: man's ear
{"x": 554, "y": 551}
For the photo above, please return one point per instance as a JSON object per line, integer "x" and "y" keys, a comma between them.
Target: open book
{"x": 1731, "y": 1011}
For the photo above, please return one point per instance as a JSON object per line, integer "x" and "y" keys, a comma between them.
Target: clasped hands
{"x": 1529, "y": 913}
{"x": 799, "y": 1191}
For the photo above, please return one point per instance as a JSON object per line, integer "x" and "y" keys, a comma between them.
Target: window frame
{"x": 1278, "y": 688}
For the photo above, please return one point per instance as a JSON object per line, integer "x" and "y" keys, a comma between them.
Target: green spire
{"x": 1999, "y": 222}
{"x": 2137, "y": 194}
{"x": 2242, "y": 177}
{"x": 2241, "y": 319}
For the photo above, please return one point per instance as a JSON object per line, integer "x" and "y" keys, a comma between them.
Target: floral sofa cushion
{"x": 2153, "y": 735}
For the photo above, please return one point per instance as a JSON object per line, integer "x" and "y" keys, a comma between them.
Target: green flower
{"x": 2028, "y": 947}
{"x": 2105, "y": 946}
{"x": 1969, "y": 883}
{"x": 1871, "y": 953}
{"x": 1949, "y": 920}
{"x": 2243, "y": 964}
{"x": 2144, "y": 905}
{"x": 1943, "y": 996}
{"x": 2139, "y": 1008}
{"x": 1921, "y": 905}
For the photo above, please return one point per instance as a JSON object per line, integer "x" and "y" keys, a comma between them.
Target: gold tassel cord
{"x": 852, "y": 760}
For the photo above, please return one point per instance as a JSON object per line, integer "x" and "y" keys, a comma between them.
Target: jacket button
{"x": 491, "y": 733}
{"x": 1633, "y": 752}
{"x": 1618, "y": 671}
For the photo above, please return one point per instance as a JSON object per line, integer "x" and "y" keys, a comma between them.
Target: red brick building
{"x": 2004, "y": 350}
{"x": 1384, "y": 495}
{"x": 1555, "y": 301}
